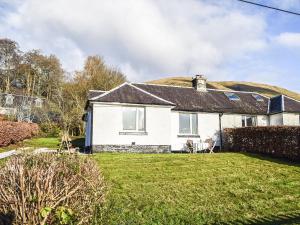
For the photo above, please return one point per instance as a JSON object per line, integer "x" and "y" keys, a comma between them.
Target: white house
{"x": 139, "y": 117}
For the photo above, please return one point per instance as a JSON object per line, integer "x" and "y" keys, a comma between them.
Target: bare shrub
{"x": 51, "y": 189}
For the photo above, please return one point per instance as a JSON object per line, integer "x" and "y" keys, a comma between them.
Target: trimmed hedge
{"x": 13, "y": 132}
{"x": 278, "y": 141}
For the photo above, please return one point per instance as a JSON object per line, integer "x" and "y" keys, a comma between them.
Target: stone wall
{"x": 133, "y": 148}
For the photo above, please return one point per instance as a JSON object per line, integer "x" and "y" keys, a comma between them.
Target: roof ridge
{"x": 291, "y": 98}
{"x": 163, "y": 85}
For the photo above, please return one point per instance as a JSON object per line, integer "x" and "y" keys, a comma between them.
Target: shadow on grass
{"x": 272, "y": 159}
{"x": 78, "y": 142}
{"x": 293, "y": 218}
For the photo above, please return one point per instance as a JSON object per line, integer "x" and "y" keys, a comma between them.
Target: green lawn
{"x": 47, "y": 142}
{"x": 223, "y": 188}
{"x": 44, "y": 142}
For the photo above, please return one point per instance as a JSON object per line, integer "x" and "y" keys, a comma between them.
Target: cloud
{"x": 146, "y": 39}
{"x": 289, "y": 39}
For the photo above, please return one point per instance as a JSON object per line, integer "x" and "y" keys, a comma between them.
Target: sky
{"x": 152, "y": 39}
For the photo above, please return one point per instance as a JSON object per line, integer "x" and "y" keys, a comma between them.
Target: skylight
{"x": 232, "y": 96}
{"x": 258, "y": 98}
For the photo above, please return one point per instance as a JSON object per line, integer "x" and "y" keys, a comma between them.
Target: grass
{"x": 265, "y": 89}
{"x": 47, "y": 142}
{"x": 228, "y": 188}
{"x": 44, "y": 142}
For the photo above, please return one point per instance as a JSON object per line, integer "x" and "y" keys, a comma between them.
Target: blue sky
{"x": 150, "y": 39}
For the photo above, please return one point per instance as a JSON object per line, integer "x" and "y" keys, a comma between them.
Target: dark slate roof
{"x": 283, "y": 103}
{"x": 130, "y": 94}
{"x": 291, "y": 105}
{"x": 94, "y": 93}
{"x": 189, "y": 99}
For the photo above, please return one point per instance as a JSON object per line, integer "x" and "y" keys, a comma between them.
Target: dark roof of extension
{"x": 189, "y": 99}
{"x": 128, "y": 93}
{"x": 283, "y": 103}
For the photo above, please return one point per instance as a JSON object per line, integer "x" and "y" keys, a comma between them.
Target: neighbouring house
{"x": 138, "y": 117}
{"x": 20, "y": 106}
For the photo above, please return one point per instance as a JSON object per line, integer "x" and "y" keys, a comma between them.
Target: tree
{"x": 41, "y": 75}
{"x": 9, "y": 61}
{"x": 95, "y": 75}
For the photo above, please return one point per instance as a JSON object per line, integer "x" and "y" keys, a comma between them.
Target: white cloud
{"x": 145, "y": 38}
{"x": 289, "y": 39}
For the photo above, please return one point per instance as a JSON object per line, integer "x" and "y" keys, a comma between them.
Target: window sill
{"x": 133, "y": 133}
{"x": 189, "y": 135}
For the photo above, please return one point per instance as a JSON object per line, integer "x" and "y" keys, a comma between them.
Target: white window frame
{"x": 38, "y": 103}
{"x": 245, "y": 119}
{"x": 191, "y": 124}
{"x": 136, "y": 119}
{"x": 9, "y": 99}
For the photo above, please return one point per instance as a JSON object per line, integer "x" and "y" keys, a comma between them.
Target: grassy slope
{"x": 198, "y": 189}
{"x": 264, "y": 89}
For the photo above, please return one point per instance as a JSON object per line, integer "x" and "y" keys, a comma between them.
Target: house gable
{"x": 127, "y": 93}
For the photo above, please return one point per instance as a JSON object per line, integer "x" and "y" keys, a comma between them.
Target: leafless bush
{"x": 50, "y": 189}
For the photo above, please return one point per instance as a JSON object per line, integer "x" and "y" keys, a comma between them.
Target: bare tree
{"x": 9, "y": 61}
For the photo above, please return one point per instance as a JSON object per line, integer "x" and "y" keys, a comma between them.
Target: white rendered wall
{"x": 262, "y": 120}
{"x": 208, "y": 127}
{"x": 291, "y": 119}
{"x": 235, "y": 120}
{"x": 108, "y": 122}
{"x": 231, "y": 120}
{"x": 276, "y": 119}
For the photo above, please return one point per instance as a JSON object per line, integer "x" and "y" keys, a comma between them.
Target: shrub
{"x": 50, "y": 189}
{"x": 50, "y": 130}
{"x": 278, "y": 141}
{"x": 13, "y": 132}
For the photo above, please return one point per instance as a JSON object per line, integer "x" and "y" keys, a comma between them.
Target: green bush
{"x": 50, "y": 130}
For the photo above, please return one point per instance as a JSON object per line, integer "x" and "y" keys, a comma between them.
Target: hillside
{"x": 264, "y": 89}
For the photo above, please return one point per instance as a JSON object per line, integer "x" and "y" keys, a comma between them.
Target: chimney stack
{"x": 199, "y": 83}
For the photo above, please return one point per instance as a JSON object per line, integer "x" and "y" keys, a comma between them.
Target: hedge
{"x": 13, "y": 132}
{"x": 278, "y": 141}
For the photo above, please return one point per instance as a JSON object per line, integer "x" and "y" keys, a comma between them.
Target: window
{"x": 38, "y": 102}
{"x": 232, "y": 96}
{"x": 134, "y": 118}
{"x": 9, "y": 99}
{"x": 258, "y": 98}
{"x": 188, "y": 123}
{"x": 248, "y": 121}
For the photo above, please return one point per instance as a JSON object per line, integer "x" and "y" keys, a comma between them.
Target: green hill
{"x": 264, "y": 89}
